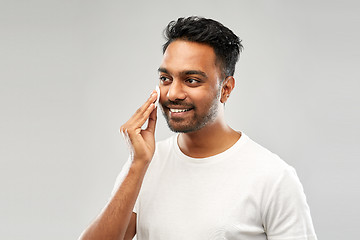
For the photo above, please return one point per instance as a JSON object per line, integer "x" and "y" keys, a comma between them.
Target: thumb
{"x": 152, "y": 121}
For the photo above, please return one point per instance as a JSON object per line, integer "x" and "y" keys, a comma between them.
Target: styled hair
{"x": 227, "y": 46}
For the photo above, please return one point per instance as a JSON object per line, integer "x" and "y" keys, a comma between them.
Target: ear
{"x": 226, "y": 88}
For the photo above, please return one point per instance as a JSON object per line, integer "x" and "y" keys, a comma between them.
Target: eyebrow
{"x": 186, "y": 72}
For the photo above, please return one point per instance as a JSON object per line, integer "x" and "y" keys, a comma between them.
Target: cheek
{"x": 163, "y": 92}
{"x": 198, "y": 98}
{"x": 204, "y": 99}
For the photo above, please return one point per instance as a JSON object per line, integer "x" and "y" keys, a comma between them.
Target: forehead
{"x": 183, "y": 55}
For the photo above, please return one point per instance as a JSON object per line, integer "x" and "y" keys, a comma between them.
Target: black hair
{"x": 227, "y": 46}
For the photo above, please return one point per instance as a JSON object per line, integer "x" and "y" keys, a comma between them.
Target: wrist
{"x": 140, "y": 164}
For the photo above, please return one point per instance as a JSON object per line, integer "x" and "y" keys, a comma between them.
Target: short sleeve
{"x": 286, "y": 214}
{"x": 120, "y": 178}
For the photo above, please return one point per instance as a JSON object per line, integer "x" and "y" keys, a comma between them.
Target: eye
{"x": 192, "y": 81}
{"x": 164, "y": 79}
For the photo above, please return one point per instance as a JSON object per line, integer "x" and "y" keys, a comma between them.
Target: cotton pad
{"x": 157, "y": 89}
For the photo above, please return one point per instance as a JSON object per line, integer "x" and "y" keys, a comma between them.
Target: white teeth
{"x": 178, "y": 110}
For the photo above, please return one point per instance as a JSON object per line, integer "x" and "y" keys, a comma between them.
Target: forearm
{"x": 113, "y": 221}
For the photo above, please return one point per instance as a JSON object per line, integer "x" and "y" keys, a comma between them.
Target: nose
{"x": 176, "y": 91}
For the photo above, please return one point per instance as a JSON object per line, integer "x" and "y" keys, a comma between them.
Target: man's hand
{"x": 141, "y": 142}
{"x": 117, "y": 221}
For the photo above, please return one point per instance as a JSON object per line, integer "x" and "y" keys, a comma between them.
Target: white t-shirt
{"x": 245, "y": 193}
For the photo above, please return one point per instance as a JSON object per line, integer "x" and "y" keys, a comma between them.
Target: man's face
{"x": 190, "y": 86}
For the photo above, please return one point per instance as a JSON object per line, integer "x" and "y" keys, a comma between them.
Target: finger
{"x": 148, "y": 102}
{"x": 134, "y": 125}
{"x": 138, "y": 121}
{"x": 142, "y": 114}
{"x": 152, "y": 121}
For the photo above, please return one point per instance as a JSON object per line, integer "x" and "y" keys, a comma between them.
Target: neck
{"x": 208, "y": 141}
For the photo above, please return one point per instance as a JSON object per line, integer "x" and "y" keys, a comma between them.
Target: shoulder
{"x": 263, "y": 159}
{"x": 267, "y": 171}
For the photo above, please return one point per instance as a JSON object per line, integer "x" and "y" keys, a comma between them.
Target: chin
{"x": 178, "y": 128}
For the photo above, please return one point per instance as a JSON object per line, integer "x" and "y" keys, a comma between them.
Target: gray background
{"x": 73, "y": 71}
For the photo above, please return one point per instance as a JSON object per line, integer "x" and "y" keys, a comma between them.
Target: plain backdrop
{"x": 73, "y": 71}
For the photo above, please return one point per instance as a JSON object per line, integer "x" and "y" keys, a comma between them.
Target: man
{"x": 209, "y": 181}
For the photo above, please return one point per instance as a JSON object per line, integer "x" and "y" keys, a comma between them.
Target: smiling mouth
{"x": 179, "y": 110}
